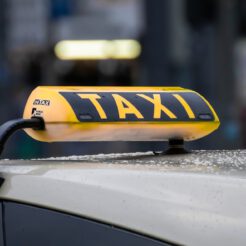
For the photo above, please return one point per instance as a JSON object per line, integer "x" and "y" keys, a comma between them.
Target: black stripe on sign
{"x": 86, "y": 111}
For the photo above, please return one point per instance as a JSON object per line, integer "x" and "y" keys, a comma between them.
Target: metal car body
{"x": 192, "y": 199}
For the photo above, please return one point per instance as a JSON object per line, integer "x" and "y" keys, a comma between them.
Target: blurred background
{"x": 199, "y": 45}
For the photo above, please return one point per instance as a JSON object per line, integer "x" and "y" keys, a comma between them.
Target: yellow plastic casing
{"x": 62, "y": 122}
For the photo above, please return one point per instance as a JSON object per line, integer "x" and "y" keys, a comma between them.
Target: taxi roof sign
{"x": 118, "y": 114}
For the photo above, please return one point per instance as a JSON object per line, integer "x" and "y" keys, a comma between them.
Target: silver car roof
{"x": 193, "y": 199}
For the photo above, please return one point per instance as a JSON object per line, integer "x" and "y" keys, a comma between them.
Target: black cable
{"x": 7, "y": 129}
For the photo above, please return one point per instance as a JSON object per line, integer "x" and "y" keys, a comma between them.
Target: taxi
{"x": 169, "y": 198}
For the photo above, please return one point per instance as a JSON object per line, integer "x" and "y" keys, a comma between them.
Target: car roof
{"x": 198, "y": 198}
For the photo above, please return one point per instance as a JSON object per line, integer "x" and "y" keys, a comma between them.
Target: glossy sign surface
{"x": 130, "y": 106}
{"x": 120, "y": 114}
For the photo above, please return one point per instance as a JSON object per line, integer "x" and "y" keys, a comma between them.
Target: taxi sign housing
{"x": 58, "y": 114}
{"x": 120, "y": 114}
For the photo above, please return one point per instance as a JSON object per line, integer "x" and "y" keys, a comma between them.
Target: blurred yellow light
{"x": 97, "y": 49}
{"x": 126, "y": 49}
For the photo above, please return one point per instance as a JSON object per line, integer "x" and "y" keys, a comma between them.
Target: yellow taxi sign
{"x": 119, "y": 114}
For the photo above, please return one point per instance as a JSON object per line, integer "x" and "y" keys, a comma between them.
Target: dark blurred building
{"x": 189, "y": 43}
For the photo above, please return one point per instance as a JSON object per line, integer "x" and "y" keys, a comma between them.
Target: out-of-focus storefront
{"x": 188, "y": 43}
